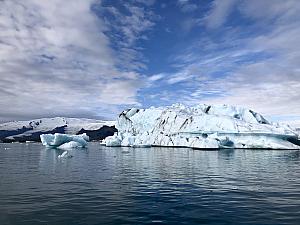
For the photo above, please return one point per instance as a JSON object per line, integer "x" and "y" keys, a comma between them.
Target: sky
{"x": 94, "y": 58}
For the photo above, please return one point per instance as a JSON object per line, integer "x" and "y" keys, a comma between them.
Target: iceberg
{"x": 64, "y": 141}
{"x": 201, "y": 126}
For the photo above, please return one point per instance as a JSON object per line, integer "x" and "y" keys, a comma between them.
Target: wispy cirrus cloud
{"x": 187, "y": 6}
{"x": 219, "y": 13}
{"x": 127, "y": 25}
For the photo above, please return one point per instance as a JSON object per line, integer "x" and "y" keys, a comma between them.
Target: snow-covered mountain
{"x": 31, "y": 130}
{"x": 201, "y": 126}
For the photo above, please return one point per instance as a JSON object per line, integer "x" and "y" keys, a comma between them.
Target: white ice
{"x": 64, "y": 141}
{"x": 201, "y": 126}
{"x": 63, "y": 155}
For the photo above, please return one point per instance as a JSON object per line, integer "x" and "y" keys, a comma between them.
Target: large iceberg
{"x": 64, "y": 141}
{"x": 201, "y": 126}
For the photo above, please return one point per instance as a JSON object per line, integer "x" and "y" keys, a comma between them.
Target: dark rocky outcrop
{"x": 7, "y": 133}
{"x": 100, "y": 134}
{"x": 33, "y": 136}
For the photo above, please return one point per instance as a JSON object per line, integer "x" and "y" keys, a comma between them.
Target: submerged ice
{"x": 201, "y": 126}
{"x": 64, "y": 141}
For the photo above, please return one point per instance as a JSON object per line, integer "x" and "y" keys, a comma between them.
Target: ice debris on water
{"x": 65, "y": 154}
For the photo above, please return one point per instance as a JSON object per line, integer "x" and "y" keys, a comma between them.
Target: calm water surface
{"x": 101, "y": 185}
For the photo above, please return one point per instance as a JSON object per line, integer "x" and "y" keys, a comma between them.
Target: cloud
{"x": 186, "y": 7}
{"x": 219, "y": 13}
{"x": 120, "y": 92}
{"x": 189, "y": 23}
{"x": 127, "y": 26}
{"x": 156, "y": 77}
{"x": 146, "y": 2}
{"x": 182, "y": 76}
{"x": 262, "y": 86}
{"x": 280, "y": 11}
{"x": 56, "y": 59}
{"x": 85, "y": 57}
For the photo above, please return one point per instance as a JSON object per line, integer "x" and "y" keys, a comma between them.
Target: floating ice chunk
{"x": 64, "y": 141}
{"x": 63, "y": 155}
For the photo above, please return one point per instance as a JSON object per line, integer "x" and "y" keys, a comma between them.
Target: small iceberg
{"x": 64, "y": 141}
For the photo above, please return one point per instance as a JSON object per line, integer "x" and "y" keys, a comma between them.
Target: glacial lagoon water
{"x": 101, "y": 185}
